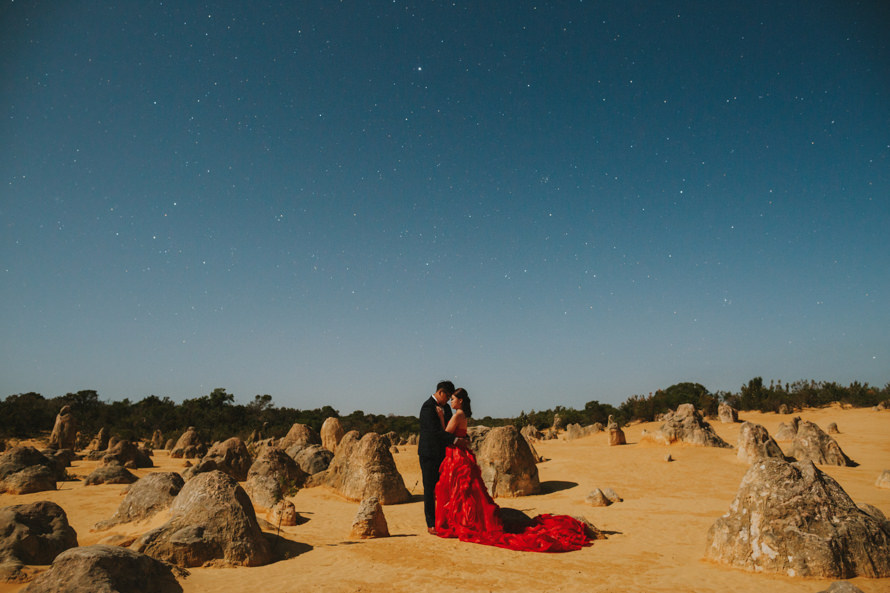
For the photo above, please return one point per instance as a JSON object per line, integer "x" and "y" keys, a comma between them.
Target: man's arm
{"x": 430, "y": 423}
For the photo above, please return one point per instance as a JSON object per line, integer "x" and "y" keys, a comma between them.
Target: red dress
{"x": 465, "y": 510}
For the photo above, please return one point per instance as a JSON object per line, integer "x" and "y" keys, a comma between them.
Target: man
{"x": 434, "y": 416}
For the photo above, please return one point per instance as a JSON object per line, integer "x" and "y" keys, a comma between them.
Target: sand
{"x": 656, "y": 536}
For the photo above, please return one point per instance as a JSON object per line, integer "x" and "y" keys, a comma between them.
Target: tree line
{"x": 217, "y": 416}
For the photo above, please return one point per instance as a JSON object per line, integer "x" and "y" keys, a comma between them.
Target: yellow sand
{"x": 656, "y": 537}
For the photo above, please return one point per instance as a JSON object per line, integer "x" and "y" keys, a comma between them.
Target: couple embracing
{"x": 456, "y": 502}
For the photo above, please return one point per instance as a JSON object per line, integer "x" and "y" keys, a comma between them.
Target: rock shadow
{"x": 285, "y": 549}
{"x": 551, "y": 486}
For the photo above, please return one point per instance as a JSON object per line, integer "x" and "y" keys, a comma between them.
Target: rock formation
{"x": 33, "y": 533}
{"x": 331, "y": 433}
{"x": 25, "y": 469}
{"x": 727, "y": 413}
{"x": 364, "y": 468}
{"x": 687, "y": 425}
{"x": 312, "y": 459}
{"x": 812, "y": 444}
{"x": 230, "y": 457}
{"x": 211, "y": 521}
{"x": 883, "y": 480}
{"x": 145, "y": 498}
{"x": 126, "y": 454}
{"x": 791, "y": 518}
{"x": 299, "y": 434}
{"x": 531, "y": 433}
{"x": 786, "y": 432}
{"x": 616, "y": 435}
{"x": 476, "y": 435}
{"x": 157, "y": 439}
{"x": 110, "y": 474}
{"x": 105, "y": 569}
{"x": 100, "y": 441}
{"x": 369, "y": 522}
{"x": 507, "y": 463}
{"x": 64, "y": 434}
{"x": 189, "y": 445}
{"x": 755, "y": 443}
{"x": 832, "y": 428}
{"x": 273, "y": 476}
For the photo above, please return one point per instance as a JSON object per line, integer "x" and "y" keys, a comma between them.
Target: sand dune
{"x": 656, "y": 537}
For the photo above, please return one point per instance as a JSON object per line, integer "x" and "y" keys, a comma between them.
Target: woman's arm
{"x": 455, "y": 421}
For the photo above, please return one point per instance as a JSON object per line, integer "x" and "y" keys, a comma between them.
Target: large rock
{"x": 64, "y": 434}
{"x": 312, "y": 459}
{"x": 110, "y": 474}
{"x": 369, "y": 521}
{"x": 476, "y": 435}
{"x": 507, "y": 463}
{"x": 299, "y": 434}
{"x": 189, "y": 445}
{"x": 786, "y": 432}
{"x": 791, "y": 518}
{"x": 33, "y": 533}
{"x": 364, "y": 468}
{"x": 127, "y": 454}
{"x": 100, "y": 441}
{"x": 157, "y": 439}
{"x": 755, "y": 443}
{"x": 25, "y": 469}
{"x": 211, "y": 521}
{"x": 686, "y": 425}
{"x": 273, "y": 476}
{"x": 812, "y": 444}
{"x": 105, "y": 569}
{"x": 230, "y": 457}
{"x": 146, "y": 497}
{"x": 727, "y": 413}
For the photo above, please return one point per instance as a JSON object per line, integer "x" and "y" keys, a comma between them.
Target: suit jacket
{"x": 433, "y": 438}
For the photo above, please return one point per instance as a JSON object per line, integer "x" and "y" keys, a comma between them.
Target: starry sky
{"x": 341, "y": 203}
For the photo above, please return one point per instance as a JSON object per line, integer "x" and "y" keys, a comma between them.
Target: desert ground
{"x": 656, "y": 536}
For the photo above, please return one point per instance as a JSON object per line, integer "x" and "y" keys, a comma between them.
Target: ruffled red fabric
{"x": 465, "y": 510}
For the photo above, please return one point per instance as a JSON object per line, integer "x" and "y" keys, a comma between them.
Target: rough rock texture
{"x": 507, "y": 463}
{"x": 476, "y": 435}
{"x": 299, "y": 434}
{"x": 616, "y": 436}
{"x": 110, "y": 474}
{"x": 64, "y": 435}
{"x": 273, "y": 476}
{"x": 157, "y": 439}
{"x": 784, "y": 409}
{"x": 755, "y": 443}
{"x": 105, "y": 569}
{"x": 331, "y": 434}
{"x": 211, "y": 519}
{"x": 146, "y": 497}
{"x": 794, "y": 519}
{"x": 230, "y": 457}
{"x": 786, "y": 432}
{"x": 832, "y": 428}
{"x": 126, "y": 454}
{"x": 364, "y": 468}
{"x": 169, "y": 444}
{"x": 812, "y": 444}
{"x": 283, "y": 513}
{"x": 842, "y": 587}
{"x": 531, "y": 433}
{"x": 312, "y": 459}
{"x": 25, "y": 469}
{"x": 727, "y": 413}
{"x": 33, "y": 533}
{"x": 883, "y": 480}
{"x": 596, "y": 498}
{"x": 369, "y": 521}
{"x": 100, "y": 441}
{"x": 189, "y": 445}
{"x": 687, "y": 425}
{"x": 557, "y": 423}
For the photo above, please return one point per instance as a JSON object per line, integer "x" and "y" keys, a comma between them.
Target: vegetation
{"x": 217, "y": 416}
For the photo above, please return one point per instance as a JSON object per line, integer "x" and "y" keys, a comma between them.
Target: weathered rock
{"x": 110, "y": 474}
{"x": 727, "y": 413}
{"x": 126, "y": 454}
{"x": 668, "y": 458}
{"x": 792, "y": 518}
{"x": 64, "y": 434}
{"x": 211, "y": 520}
{"x": 412, "y": 439}
{"x": 531, "y": 433}
{"x": 331, "y": 433}
{"x": 883, "y": 480}
{"x": 364, "y": 468}
{"x": 100, "y": 442}
{"x": 145, "y": 498}
{"x": 312, "y": 459}
{"x": 189, "y": 445}
{"x": 105, "y": 569}
{"x": 157, "y": 439}
{"x": 832, "y": 428}
{"x": 842, "y": 587}
{"x": 574, "y": 431}
{"x": 687, "y": 425}
{"x": 755, "y": 443}
{"x": 25, "y": 469}
{"x": 557, "y": 423}
{"x": 786, "y": 432}
{"x": 169, "y": 444}
{"x": 230, "y": 457}
{"x": 616, "y": 437}
{"x": 784, "y": 409}
{"x": 273, "y": 476}
{"x": 507, "y": 463}
{"x": 596, "y": 498}
{"x": 476, "y": 435}
{"x": 299, "y": 434}
{"x": 283, "y": 513}
{"x": 369, "y": 522}
{"x": 811, "y": 443}
{"x": 33, "y": 533}
{"x": 392, "y": 437}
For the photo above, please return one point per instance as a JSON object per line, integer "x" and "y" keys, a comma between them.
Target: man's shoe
{"x": 431, "y": 530}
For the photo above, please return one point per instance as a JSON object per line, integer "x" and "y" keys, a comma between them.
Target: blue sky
{"x": 341, "y": 204}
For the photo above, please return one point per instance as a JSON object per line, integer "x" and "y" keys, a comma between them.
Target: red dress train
{"x": 465, "y": 510}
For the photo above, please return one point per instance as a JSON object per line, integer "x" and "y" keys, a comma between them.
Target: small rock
{"x": 597, "y": 498}
{"x": 832, "y": 428}
{"x": 369, "y": 521}
{"x": 883, "y": 480}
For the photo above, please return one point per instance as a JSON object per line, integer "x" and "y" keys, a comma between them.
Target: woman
{"x": 465, "y": 510}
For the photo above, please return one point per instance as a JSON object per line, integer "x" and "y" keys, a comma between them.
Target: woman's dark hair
{"x": 464, "y": 397}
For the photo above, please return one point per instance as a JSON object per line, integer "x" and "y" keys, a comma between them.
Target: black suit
{"x": 431, "y": 449}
